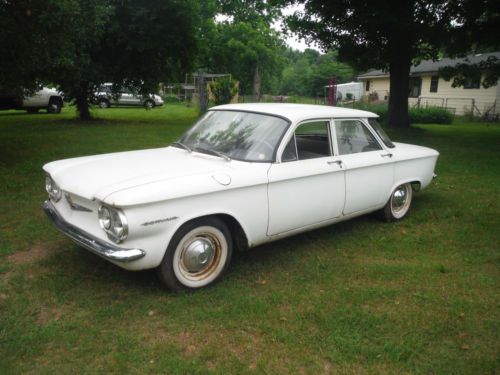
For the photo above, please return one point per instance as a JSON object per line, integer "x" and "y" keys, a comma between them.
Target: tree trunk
{"x": 256, "y": 84}
{"x": 399, "y": 71}
{"x": 400, "y": 55}
{"x": 82, "y": 103}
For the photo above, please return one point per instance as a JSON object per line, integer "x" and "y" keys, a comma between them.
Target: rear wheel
{"x": 197, "y": 256}
{"x": 399, "y": 204}
{"x": 54, "y": 106}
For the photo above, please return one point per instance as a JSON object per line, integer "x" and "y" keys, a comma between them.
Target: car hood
{"x": 99, "y": 176}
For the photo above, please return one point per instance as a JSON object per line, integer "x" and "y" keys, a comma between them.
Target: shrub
{"x": 223, "y": 90}
{"x": 171, "y": 99}
{"x": 430, "y": 115}
{"x": 427, "y": 115}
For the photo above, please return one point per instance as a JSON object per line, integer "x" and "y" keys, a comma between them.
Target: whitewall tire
{"x": 197, "y": 256}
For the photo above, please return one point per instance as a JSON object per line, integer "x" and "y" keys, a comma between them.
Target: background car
{"x": 105, "y": 98}
{"x": 45, "y": 98}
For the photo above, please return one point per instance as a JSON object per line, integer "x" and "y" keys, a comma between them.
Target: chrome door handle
{"x": 338, "y": 162}
{"x": 389, "y": 155}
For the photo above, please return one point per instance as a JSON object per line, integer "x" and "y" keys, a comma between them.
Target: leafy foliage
{"x": 422, "y": 115}
{"x": 223, "y": 90}
{"x": 487, "y": 72}
{"x": 307, "y": 72}
{"x": 388, "y": 35}
{"x": 80, "y": 44}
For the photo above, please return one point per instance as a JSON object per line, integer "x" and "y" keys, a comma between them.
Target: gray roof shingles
{"x": 429, "y": 66}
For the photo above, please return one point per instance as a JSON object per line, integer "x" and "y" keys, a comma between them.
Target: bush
{"x": 380, "y": 109}
{"x": 430, "y": 115}
{"x": 223, "y": 90}
{"x": 171, "y": 99}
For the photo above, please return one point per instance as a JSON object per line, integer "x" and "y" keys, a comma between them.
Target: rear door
{"x": 369, "y": 168}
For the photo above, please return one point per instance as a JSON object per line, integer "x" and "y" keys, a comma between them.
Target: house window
{"x": 434, "y": 83}
{"x": 415, "y": 87}
{"x": 368, "y": 85}
{"x": 472, "y": 83}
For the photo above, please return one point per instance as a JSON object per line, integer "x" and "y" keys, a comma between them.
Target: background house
{"x": 428, "y": 89}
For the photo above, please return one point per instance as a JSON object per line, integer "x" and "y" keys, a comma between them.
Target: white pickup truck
{"x": 46, "y": 98}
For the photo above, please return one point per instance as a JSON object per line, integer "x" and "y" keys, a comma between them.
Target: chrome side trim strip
{"x": 88, "y": 241}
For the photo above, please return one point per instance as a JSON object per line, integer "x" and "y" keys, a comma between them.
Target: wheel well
{"x": 55, "y": 99}
{"x": 240, "y": 240}
{"x": 416, "y": 185}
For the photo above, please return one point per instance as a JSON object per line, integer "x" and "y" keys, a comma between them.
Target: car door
{"x": 306, "y": 186}
{"x": 369, "y": 168}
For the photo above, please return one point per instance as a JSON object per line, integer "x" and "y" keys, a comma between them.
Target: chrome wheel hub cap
{"x": 198, "y": 255}
{"x": 399, "y": 198}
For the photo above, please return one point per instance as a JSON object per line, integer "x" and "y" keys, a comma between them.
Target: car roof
{"x": 297, "y": 112}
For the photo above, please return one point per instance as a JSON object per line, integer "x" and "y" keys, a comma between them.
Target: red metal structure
{"x": 332, "y": 91}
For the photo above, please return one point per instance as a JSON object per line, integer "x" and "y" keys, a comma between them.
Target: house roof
{"x": 430, "y": 66}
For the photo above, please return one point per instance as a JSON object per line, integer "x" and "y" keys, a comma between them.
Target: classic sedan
{"x": 243, "y": 175}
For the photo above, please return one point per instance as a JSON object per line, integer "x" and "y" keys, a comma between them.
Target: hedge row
{"x": 427, "y": 115}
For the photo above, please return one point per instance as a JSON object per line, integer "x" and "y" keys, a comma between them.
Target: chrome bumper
{"x": 88, "y": 241}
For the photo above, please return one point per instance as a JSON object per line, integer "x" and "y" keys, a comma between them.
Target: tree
{"x": 244, "y": 44}
{"x": 388, "y": 35}
{"x": 252, "y": 54}
{"x": 32, "y": 42}
{"x": 84, "y": 43}
{"x": 476, "y": 32}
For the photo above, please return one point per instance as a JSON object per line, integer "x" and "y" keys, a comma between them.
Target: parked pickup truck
{"x": 46, "y": 98}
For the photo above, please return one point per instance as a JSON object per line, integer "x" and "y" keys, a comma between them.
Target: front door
{"x": 307, "y": 187}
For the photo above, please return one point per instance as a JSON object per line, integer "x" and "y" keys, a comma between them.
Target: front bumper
{"x": 88, "y": 241}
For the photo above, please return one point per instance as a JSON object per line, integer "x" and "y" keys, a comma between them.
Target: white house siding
{"x": 461, "y": 100}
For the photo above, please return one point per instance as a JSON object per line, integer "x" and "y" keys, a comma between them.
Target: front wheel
{"x": 104, "y": 103}
{"x": 197, "y": 256}
{"x": 399, "y": 203}
{"x": 148, "y": 104}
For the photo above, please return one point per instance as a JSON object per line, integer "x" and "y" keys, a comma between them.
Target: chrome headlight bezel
{"x": 113, "y": 222}
{"x": 54, "y": 191}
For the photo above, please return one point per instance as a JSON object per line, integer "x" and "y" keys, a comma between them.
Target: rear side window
{"x": 353, "y": 137}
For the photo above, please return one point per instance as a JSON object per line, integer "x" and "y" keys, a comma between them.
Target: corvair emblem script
{"x": 75, "y": 206}
{"x": 159, "y": 221}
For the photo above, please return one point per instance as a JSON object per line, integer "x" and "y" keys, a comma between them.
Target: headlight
{"x": 52, "y": 189}
{"x": 114, "y": 223}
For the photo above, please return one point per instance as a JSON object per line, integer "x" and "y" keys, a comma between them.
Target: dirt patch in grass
{"x": 32, "y": 255}
{"x": 47, "y": 315}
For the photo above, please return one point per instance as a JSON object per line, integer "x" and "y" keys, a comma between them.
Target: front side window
{"x": 239, "y": 135}
{"x": 310, "y": 140}
{"x": 354, "y": 137}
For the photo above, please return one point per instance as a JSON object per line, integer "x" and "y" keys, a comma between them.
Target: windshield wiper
{"x": 182, "y": 145}
{"x": 213, "y": 152}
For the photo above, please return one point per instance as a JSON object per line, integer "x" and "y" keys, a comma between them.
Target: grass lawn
{"x": 417, "y": 296}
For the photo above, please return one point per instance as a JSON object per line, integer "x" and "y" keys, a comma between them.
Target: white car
{"x": 45, "y": 98}
{"x": 105, "y": 98}
{"x": 243, "y": 175}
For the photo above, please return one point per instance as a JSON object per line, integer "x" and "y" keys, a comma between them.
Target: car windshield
{"x": 237, "y": 135}
{"x": 381, "y": 132}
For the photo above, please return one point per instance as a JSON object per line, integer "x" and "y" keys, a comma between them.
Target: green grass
{"x": 417, "y": 296}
